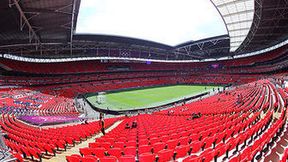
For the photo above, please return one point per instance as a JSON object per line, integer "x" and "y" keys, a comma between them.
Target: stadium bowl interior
{"x": 73, "y": 97}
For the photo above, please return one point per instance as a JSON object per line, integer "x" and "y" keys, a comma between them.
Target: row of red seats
{"x": 257, "y": 147}
{"x": 33, "y": 142}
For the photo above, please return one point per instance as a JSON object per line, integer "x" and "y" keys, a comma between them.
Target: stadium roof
{"x": 238, "y": 17}
{"x": 269, "y": 27}
{"x": 45, "y": 28}
{"x": 41, "y": 21}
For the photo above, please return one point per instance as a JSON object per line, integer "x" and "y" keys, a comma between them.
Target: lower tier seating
{"x": 227, "y": 129}
{"x": 33, "y": 142}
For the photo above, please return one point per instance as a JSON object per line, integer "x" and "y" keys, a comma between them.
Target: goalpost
{"x": 101, "y": 97}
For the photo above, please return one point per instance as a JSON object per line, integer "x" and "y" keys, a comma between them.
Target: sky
{"x": 170, "y": 22}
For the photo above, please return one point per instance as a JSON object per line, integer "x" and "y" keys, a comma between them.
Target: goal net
{"x": 100, "y": 97}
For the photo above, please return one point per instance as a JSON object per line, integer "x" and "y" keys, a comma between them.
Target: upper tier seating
{"x": 188, "y": 77}
{"x": 97, "y": 66}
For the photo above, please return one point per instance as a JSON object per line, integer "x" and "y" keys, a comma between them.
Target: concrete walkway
{"x": 75, "y": 150}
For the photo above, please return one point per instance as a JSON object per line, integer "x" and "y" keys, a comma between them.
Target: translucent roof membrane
{"x": 238, "y": 17}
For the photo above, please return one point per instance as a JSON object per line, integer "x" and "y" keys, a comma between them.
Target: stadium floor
{"x": 148, "y": 97}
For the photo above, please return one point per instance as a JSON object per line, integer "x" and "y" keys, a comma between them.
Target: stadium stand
{"x": 232, "y": 131}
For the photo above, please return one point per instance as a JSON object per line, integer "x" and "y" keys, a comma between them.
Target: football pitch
{"x": 147, "y": 97}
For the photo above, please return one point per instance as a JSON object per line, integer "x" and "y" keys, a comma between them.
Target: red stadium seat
{"x": 220, "y": 150}
{"x": 18, "y": 157}
{"x": 182, "y": 150}
{"x": 119, "y": 144}
{"x": 73, "y": 158}
{"x": 207, "y": 155}
{"x": 89, "y": 159}
{"x": 99, "y": 152}
{"x": 158, "y": 146}
{"x": 127, "y": 158}
{"x": 144, "y": 149}
{"x": 130, "y": 150}
{"x": 85, "y": 151}
{"x": 196, "y": 146}
{"x": 165, "y": 155}
{"x": 106, "y": 145}
{"x": 35, "y": 153}
{"x": 117, "y": 152}
{"x": 207, "y": 142}
{"x": 234, "y": 159}
{"x": 108, "y": 159}
{"x": 147, "y": 157}
{"x": 183, "y": 140}
{"x": 94, "y": 144}
{"x": 193, "y": 158}
{"x": 171, "y": 144}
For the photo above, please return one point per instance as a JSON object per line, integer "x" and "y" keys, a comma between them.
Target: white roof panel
{"x": 238, "y": 17}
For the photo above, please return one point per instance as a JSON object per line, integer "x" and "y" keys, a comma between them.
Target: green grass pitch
{"x": 147, "y": 97}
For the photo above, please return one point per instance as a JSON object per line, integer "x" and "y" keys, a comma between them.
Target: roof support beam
{"x": 254, "y": 27}
{"x": 72, "y": 25}
{"x": 236, "y": 22}
{"x": 201, "y": 48}
{"x": 237, "y": 13}
{"x": 32, "y": 33}
{"x": 228, "y": 3}
{"x": 273, "y": 27}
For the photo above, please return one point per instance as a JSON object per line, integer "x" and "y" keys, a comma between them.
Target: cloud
{"x": 166, "y": 21}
